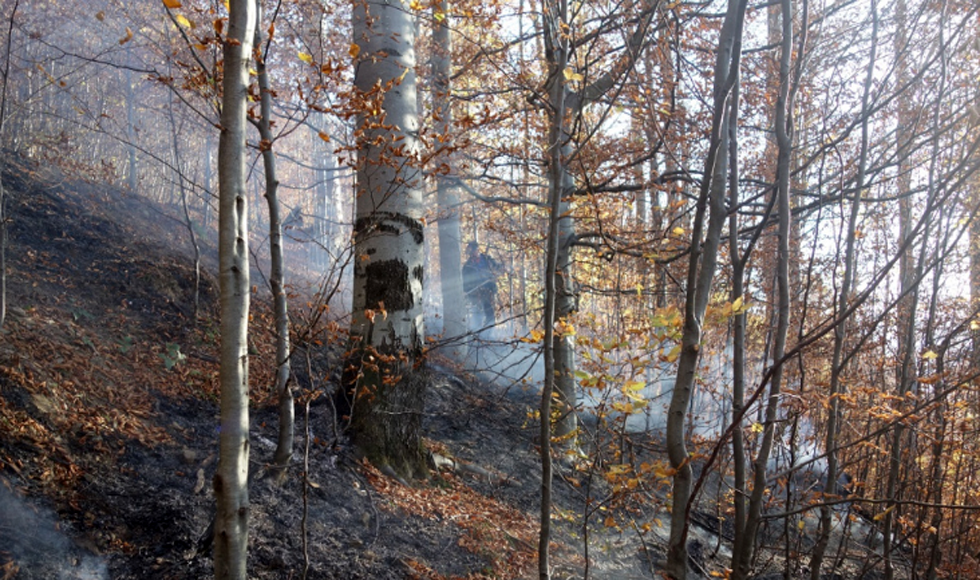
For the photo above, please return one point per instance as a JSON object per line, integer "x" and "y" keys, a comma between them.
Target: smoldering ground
{"x": 37, "y": 547}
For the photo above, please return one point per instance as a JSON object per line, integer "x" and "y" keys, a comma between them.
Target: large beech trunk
{"x": 385, "y": 394}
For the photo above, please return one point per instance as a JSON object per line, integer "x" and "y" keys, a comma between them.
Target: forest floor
{"x": 108, "y": 432}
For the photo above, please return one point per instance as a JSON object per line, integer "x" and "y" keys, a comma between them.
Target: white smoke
{"x": 31, "y": 538}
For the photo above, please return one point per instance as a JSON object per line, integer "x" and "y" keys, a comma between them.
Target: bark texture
{"x": 287, "y": 413}
{"x": 835, "y": 414}
{"x": 450, "y": 238}
{"x": 385, "y": 394}
{"x": 231, "y": 478}
{"x": 709, "y": 220}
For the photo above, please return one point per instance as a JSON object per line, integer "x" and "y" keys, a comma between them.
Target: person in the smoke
{"x": 480, "y": 285}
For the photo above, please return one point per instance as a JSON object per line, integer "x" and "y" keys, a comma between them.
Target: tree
{"x": 450, "y": 238}
{"x": 705, "y": 241}
{"x": 837, "y": 386}
{"x": 231, "y": 477}
{"x": 287, "y": 413}
{"x": 381, "y": 372}
{"x": 3, "y": 159}
{"x": 784, "y": 143}
{"x": 562, "y": 115}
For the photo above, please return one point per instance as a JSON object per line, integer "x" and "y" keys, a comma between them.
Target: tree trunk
{"x": 208, "y": 195}
{"x": 837, "y": 386}
{"x": 386, "y": 322}
{"x": 131, "y": 176}
{"x": 185, "y": 207}
{"x": 738, "y": 341}
{"x": 558, "y": 60}
{"x": 574, "y": 102}
{"x": 565, "y": 300}
{"x": 908, "y": 288}
{"x": 784, "y": 142}
{"x": 287, "y": 413}
{"x": 974, "y": 251}
{"x": 701, "y": 268}
{"x": 450, "y": 237}
{"x": 231, "y": 478}
{"x": 3, "y": 162}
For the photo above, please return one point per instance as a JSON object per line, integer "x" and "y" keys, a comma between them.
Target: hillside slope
{"x": 108, "y": 428}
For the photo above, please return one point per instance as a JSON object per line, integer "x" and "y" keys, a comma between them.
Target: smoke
{"x": 30, "y": 537}
{"x": 707, "y": 413}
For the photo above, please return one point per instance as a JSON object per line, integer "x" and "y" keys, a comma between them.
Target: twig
{"x": 306, "y": 490}
{"x": 643, "y": 542}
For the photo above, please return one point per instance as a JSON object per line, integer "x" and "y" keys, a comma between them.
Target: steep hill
{"x": 108, "y": 428}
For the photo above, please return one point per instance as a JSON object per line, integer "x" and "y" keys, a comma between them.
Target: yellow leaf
{"x": 183, "y": 21}
{"x": 674, "y": 353}
{"x": 929, "y": 355}
{"x": 564, "y": 328}
{"x": 572, "y": 75}
{"x": 610, "y": 522}
{"x": 634, "y": 385}
{"x": 739, "y": 306}
{"x": 622, "y": 407}
{"x": 171, "y": 3}
{"x": 354, "y": 50}
{"x": 757, "y": 428}
{"x": 227, "y": 7}
{"x": 639, "y": 289}
{"x": 882, "y": 515}
{"x": 324, "y": 136}
{"x": 439, "y": 16}
{"x": 678, "y": 231}
{"x": 415, "y": 5}
{"x": 536, "y": 336}
{"x": 305, "y": 57}
{"x": 619, "y": 469}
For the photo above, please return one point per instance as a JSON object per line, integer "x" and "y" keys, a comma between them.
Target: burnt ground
{"x": 108, "y": 432}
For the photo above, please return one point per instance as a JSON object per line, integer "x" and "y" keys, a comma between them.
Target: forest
{"x": 708, "y": 271}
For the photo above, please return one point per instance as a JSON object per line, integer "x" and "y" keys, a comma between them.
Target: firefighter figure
{"x": 480, "y": 285}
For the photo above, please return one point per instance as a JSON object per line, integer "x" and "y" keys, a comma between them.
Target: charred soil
{"x": 108, "y": 426}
